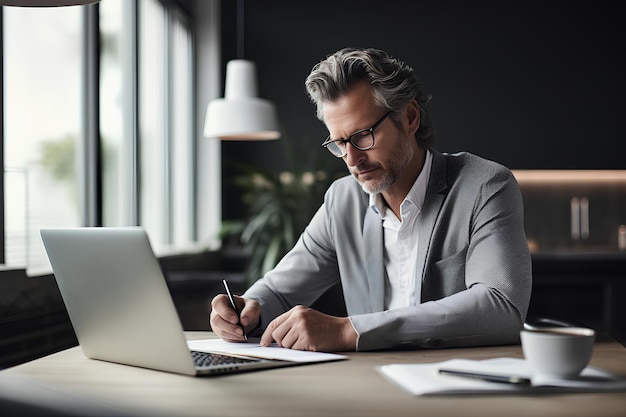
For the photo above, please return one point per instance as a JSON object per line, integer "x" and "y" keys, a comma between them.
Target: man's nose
{"x": 353, "y": 156}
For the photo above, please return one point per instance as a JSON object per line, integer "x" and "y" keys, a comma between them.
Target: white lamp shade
{"x": 241, "y": 115}
{"x": 46, "y": 3}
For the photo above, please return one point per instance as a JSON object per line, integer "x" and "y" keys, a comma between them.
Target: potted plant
{"x": 279, "y": 207}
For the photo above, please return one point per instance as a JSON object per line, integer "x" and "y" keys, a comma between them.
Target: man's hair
{"x": 394, "y": 84}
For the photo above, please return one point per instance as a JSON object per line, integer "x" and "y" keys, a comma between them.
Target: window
{"x": 146, "y": 152}
{"x": 181, "y": 135}
{"x": 117, "y": 112}
{"x": 165, "y": 125}
{"x": 42, "y": 120}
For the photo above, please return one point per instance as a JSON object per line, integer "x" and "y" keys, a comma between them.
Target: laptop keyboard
{"x": 205, "y": 359}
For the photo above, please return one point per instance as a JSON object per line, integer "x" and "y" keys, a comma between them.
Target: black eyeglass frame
{"x": 329, "y": 141}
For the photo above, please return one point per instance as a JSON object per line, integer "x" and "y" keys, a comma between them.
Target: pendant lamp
{"x": 241, "y": 115}
{"x": 46, "y": 3}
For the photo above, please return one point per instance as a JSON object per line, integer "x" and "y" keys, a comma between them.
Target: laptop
{"x": 121, "y": 308}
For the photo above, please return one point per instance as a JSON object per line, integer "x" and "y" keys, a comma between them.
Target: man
{"x": 429, "y": 248}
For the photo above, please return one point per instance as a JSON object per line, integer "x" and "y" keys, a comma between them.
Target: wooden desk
{"x": 79, "y": 386}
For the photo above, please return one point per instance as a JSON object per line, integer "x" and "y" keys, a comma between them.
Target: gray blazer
{"x": 476, "y": 280}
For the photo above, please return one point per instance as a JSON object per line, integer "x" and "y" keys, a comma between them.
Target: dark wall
{"x": 532, "y": 84}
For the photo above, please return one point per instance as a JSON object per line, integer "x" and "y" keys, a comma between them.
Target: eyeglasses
{"x": 362, "y": 140}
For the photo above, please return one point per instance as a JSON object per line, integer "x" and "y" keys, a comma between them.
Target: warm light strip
{"x": 569, "y": 176}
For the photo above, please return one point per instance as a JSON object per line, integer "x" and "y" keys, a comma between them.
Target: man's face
{"x": 378, "y": 168}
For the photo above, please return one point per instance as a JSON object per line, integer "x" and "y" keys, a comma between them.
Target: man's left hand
{"x": 304, "y": 328}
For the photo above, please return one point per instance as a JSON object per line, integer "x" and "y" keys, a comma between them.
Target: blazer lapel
{"x": 373, "y": 242}
{"x": 435, "y": 195}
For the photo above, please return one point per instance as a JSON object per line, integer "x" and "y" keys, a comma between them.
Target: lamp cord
{"x": 240, "y": 29}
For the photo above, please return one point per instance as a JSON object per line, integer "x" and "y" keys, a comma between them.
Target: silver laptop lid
{"x": 116, "y": 297}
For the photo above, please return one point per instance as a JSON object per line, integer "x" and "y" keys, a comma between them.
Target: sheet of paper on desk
{"x": 254, "y": 348}
{"x": 425, "y": 379}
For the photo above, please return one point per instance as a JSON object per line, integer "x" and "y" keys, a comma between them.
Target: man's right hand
{"x": 224, "y": 321}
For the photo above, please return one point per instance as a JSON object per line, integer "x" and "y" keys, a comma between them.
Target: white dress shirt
{"x": 401, "y": 239}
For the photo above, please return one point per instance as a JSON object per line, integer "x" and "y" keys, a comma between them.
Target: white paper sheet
{"x": 425, "y": 379}
{"x": 254, "y": 348}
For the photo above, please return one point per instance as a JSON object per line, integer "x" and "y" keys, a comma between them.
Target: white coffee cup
{"x": 561, "y": 352}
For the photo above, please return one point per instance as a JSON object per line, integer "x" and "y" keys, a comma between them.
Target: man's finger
{"x": 270, "y": 334}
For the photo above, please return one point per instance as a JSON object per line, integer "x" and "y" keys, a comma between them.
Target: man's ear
{"x": 412, "y": 117}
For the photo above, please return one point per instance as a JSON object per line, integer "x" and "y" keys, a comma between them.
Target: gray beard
{"x": 378, "y": 187}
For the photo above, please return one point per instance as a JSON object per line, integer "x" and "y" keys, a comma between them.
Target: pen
{"x": 507, "y": 379}
{"x": 234, "y": 306}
